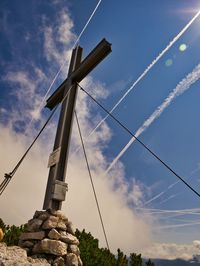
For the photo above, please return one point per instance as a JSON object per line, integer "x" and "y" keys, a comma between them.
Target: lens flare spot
{"x": 183, "y": 47}
{"x": 168, "y": 62}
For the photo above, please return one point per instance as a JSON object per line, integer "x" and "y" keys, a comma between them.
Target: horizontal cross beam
{"x": 86, "y": 66}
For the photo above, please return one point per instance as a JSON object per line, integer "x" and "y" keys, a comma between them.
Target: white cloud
{"x": 136, "y": 195}
{"x": 125, "y": 228}
{"x": 172, "y": 251}
{"x": 26, "y": 95}
{"x": 65, "y": 34}
{"x": 58, "y": 38}
{"x": 25, "y": 193}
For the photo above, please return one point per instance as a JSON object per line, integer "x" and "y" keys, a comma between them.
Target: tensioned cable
{"x": 11, "y": 174}
{"x": 61, "y": 67}
{"x": 4, "y": 184}
{"x": 91, "y": 180}
{"x": 145, "y": 146}
{"x": 7, "y": 177}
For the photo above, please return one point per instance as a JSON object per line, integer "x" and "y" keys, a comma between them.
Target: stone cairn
{"x": 50, "y": 235}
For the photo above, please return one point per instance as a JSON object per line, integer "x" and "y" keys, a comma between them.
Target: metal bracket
{"x": 59, "y": 190}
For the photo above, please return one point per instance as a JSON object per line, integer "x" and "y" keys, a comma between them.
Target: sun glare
{"x": 168, "y": 62}
{"x": 190, "y": 10}
{"x": 182, "y": 47}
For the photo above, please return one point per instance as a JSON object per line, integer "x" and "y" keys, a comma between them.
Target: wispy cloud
{"x": 196, "y": 170}
{"x": 114, "y": 193}
{"x": 27, "y": 95}
{"x": 80, "y": 205}
{"x": 58, "y": 38}
{"x": 182, "y": 86}
{"x": 66, "y": 37}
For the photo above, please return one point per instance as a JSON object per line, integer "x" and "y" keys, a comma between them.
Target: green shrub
{"x": 11, "y": 233}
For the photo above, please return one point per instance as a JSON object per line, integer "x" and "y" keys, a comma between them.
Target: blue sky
{"x": 37, "y": 38}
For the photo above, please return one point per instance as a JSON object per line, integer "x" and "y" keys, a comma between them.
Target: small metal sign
{"x": 54, "y": 157}
{"x": 59, "y": 191}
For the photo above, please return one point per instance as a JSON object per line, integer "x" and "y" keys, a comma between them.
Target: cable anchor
{"x": 8, "y": 176}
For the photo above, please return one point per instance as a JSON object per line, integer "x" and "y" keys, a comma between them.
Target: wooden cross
{"x": 66, "y": 93}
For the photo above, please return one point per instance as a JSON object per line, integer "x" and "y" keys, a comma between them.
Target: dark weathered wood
{"x": 86, "y": 66}
{"x": 57, "y": 171}
{"x": 56, "y": 188}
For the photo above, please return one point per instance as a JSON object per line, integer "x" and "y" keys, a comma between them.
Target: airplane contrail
{"x": 148, "y": 68}
{"x": 62, "y": 66}
{"x": 182, "y": 86}
{"x": 154, "y": 198}
{"x": 91, "y": 16}
{"x": 178, "y": 225}
{"x": 161, "y": 193}
{"x": 168, "y": 214}
{"x": 169, "y": 198}
{"x": 194, "y": 211}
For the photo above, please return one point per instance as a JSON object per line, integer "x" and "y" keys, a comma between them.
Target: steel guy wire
{"x": 8, "y": 177}
{"x": 144, "y": 145}
{"x": 148, "y": 68}
{"x": 92, "y": 182}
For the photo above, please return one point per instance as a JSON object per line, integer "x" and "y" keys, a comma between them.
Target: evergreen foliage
{"x": 91, "y": 254}
{"x": 121, "y": 259}
{"x": 11, "y": 233}
{"x": 135, "y": 260}
{"x": 150, "y": 263}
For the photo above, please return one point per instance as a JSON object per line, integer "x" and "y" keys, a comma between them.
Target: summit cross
{"x": 66, "y": 94}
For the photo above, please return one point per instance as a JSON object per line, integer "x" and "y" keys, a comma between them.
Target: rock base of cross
{"x": 50, "y": 235}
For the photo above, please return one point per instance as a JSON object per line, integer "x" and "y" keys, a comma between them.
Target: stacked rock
{"x": 50, "y": 235}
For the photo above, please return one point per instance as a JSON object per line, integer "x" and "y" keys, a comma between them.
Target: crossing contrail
{"x": 178, "y": 225}
{"x": 62, "y": 66}
{"x": 154, "y": 198}
{"x": 91, "y": 16}
{"x": 182, "y": 86}
{"x": 161, "y": 193}
{"x": 167, "y": 214}
{"x": 169, "y": 198}
{"x": 194, "y": 211}
{"x": 148, "y": 68}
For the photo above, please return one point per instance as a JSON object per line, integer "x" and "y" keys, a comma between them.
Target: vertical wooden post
{"x": 78, "y": 70}
{"x": 56, "y": 188}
